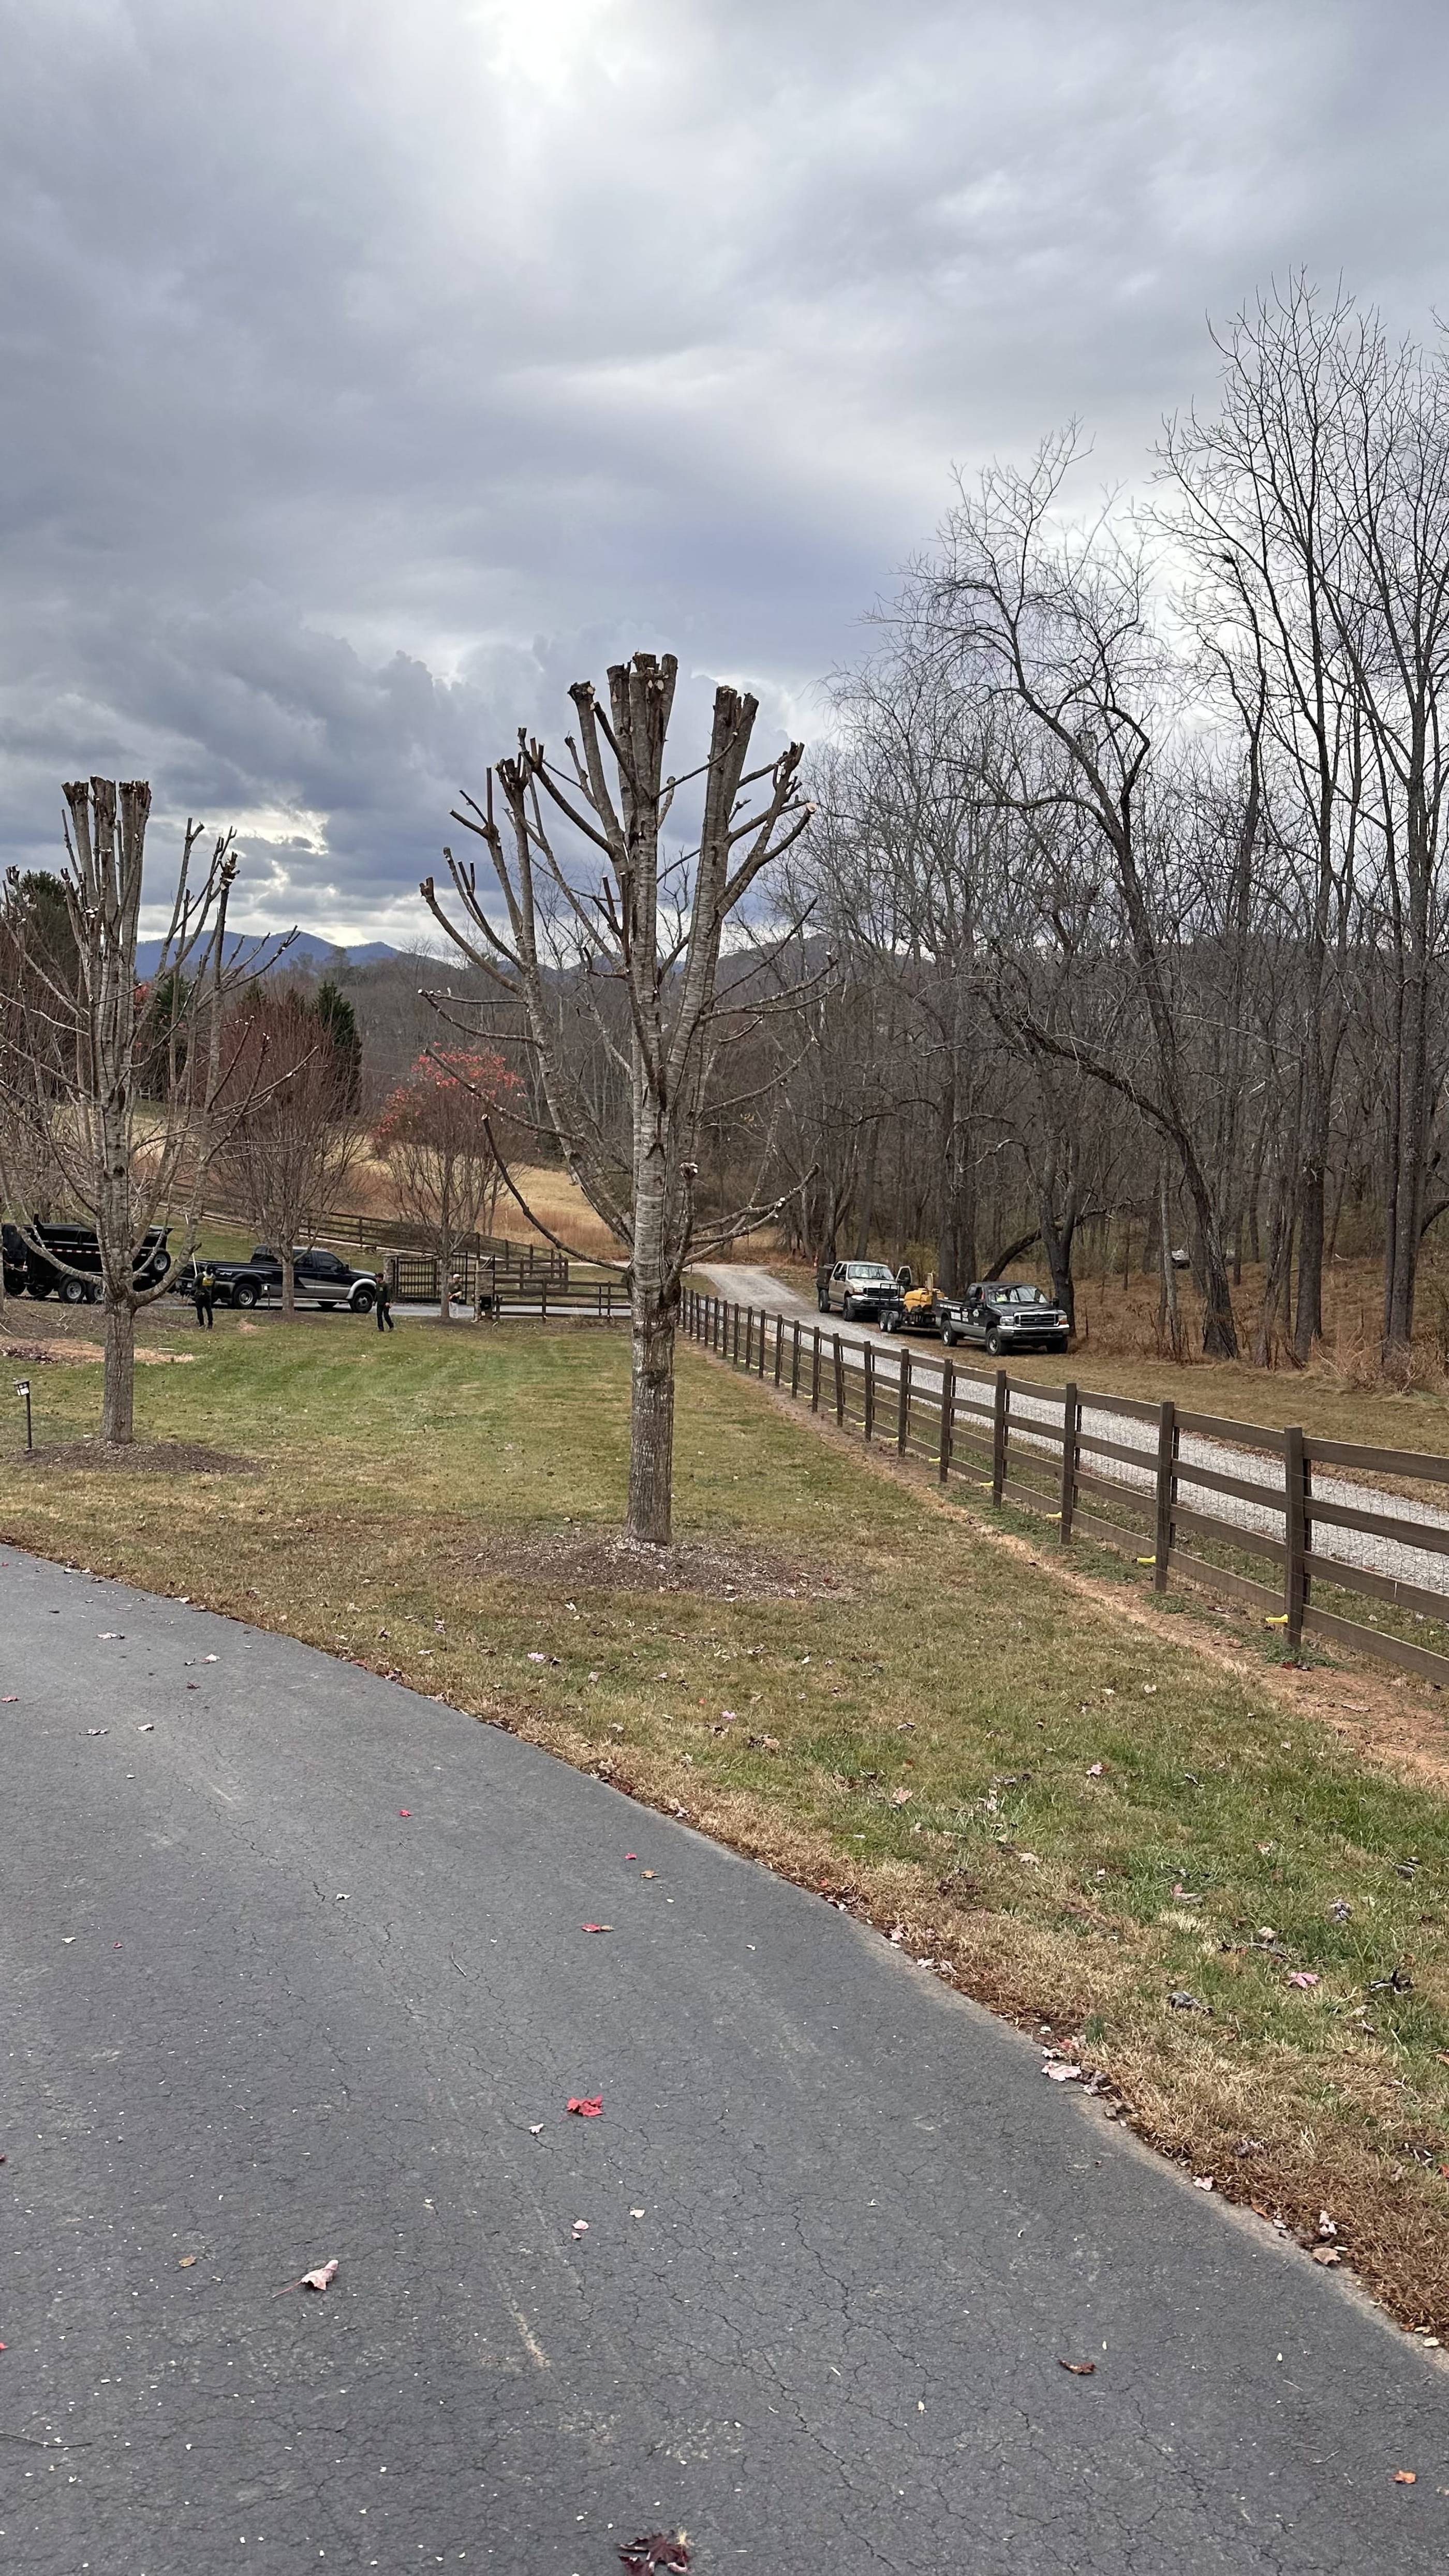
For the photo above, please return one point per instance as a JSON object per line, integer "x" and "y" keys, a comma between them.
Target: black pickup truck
{"x": 321, "y": 1279}
{"x": 1005, "y": 1315}
{"x": 29, "y": 1274}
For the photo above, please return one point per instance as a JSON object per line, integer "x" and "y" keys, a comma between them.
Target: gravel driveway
{"x": 1394, "y": 1557}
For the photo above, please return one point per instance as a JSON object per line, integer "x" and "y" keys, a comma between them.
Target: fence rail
{"x": 1026, "y": 1445}
{"x": 416, "y": 1278}
{"x": 349, "y": 1231}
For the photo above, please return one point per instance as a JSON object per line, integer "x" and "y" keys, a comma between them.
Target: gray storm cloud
{"x": 372, "y": 372}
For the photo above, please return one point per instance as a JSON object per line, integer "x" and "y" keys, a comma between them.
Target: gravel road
{"x": 1421, "y": 1566}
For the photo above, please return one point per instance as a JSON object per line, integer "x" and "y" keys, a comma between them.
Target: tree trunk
{"x": 651, "y": 1416}
{"x": 1308, "y": 1319}
{"x": 289, "y": 1278}
{"x": 1057, "y": 1239}
{"x": 1408, "y": 1178}
{"x": 118, "y": 1393}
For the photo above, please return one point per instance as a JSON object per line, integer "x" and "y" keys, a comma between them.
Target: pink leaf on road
{"x": 598, "y": 1927}
{"x": 322, "y": 2278}
{"x": 588, "y": 2107}
{"x": 405, "y": 1811}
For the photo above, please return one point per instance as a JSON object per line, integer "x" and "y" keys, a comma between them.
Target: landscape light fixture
{"x": 22, "y": 1387}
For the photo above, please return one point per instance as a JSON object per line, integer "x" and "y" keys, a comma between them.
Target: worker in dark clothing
{"x": 383, "y": 1308}
{"x": 206, "y": 1299}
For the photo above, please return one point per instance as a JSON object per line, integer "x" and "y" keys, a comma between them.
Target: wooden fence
{"x": 1032, "y": 1447}
{"x": 351, "y": 1232}
{"x": 416, "y": 1278}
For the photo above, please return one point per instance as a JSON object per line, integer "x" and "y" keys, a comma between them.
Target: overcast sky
{"x": 373, "y": 368}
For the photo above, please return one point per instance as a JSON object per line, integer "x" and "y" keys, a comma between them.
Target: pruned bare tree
{"x": 124, "y": 1104}
{"x": 585, "y": 892}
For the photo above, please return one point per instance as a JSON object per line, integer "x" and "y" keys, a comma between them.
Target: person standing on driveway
{"x": 206, "y": 1299}
{"x": 383, "y": 1307}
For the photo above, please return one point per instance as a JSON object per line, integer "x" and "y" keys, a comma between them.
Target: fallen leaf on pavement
{"x": 10, "y": 1699}
{"x": 581, "y": 2227}
{"x": 631, "y": 1855}
{"x": 1063, "y": 2074}
{"x": 322, "y": 2278}
{"x": 536, "y": 2129}
{"x": 112, "y": 1636}
{"x": 1406, "y": 2477}
{"x": 588, "y": 2106}
{"x": 1078, "y": 2369}
{"x": 1202, "y": 2182}
{"x": 186, "y": 2262}
{"x": 405, "y": 1811}
{"x": 98, "y": 1730}
{"x": 658, "y": 2549}
{"x": 1326, "y": 2254}
{"x": 647, "y": 1873}
{"x": 598, "y": 1927}
{"x": 636, "y": 2213}
{"x": 148, "y": 1729}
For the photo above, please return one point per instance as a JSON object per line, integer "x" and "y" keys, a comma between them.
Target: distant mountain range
{"x": 306, "y": 950}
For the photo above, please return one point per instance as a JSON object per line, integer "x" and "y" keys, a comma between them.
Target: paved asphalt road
{"x": 870, "y": 2231}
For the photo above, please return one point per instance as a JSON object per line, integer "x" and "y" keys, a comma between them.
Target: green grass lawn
{"x": 1075, "y": 1817}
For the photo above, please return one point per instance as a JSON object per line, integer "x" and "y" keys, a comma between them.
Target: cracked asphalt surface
{"x": 257, "y": 2017}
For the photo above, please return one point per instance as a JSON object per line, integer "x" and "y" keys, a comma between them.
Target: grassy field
{"x": 1076, "y": 1814}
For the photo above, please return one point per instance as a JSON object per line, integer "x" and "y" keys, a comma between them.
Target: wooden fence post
{"x": 749, "y": 1339}
{"x": 869, "y": 1359}
{"x": 948, "y": 1417}
{"x": 815, "y": 1373}
{"x": 1166, "y": 1493}
{"x": 760, "y": 1363}
{"x": 795, "y": 1360}
{"x": 999, "y": 1435}
{"x": 1071, "y": 1424}
{"x": 735, "y": 1340}
{"x": 1296, "y": 1472}
{"x": 839, "y": 1381}
{"x": 903, "y": 1401}
{"x": 779, "y": 1345}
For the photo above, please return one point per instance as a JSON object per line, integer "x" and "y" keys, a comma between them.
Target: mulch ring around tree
{"x": 138, "y": 1458}
{"x": 610, "y": 1561}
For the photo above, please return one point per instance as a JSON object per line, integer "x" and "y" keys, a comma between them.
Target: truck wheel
{"x": 993, "y": 1343}
{"x": 73, "y": 1292}
{"x": 948, "y": 1336}
{"x": 244, "y": 1293}
{"x": 361, "y": 1301}
{"x": 823, "y": 1302}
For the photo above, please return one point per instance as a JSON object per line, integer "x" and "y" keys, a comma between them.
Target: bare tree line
{"x": 1130, "y": 851}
